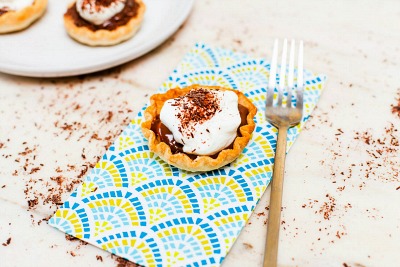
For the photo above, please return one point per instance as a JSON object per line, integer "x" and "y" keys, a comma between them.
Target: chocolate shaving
{"x": 196, "y": 107}
{"x": 121, "y": 262}
{"x": 98, "y": 4}
{"x": 396, "y": 107}
{"x": 7, "y": 242}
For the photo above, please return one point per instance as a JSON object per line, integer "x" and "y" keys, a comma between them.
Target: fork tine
{"x": 299, "y": 99}
{"x": 272, "y": 75}
{"x": 282, "y": 75}
{"x": 290, "y": 74}
{"x": 300, "y": 85}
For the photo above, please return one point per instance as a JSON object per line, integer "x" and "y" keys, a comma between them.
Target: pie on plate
{"x": 21, "y": 18}
{"x": 116, "y": 25}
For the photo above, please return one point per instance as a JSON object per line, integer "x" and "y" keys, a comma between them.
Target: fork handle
{"x": 274, "y": 217}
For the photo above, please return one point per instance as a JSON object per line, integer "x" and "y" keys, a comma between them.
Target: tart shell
{"x": 201, "y": 163}
{"x": 16, "y": 20}
{"x": 105, "y": 37}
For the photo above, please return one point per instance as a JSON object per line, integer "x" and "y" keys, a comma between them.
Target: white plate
{"x": 45, "y": 49}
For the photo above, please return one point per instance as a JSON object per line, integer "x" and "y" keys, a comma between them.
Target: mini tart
{"x": 200, "y": 163}
{"x": 16, "y": 20}
{"x": 105, "y": 37}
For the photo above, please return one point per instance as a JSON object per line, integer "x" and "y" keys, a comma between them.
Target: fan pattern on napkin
{"x": 138, "y": 207}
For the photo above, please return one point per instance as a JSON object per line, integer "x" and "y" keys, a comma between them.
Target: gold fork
{"x": 282, "y": 117}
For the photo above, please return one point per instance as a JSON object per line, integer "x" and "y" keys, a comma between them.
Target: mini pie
{"x": 99, "y": 35}
{"x": 16, "y": 20}
{"x": 199, "y": 163}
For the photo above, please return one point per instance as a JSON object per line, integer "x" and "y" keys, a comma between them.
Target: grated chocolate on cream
{"x": 196, "y": 107}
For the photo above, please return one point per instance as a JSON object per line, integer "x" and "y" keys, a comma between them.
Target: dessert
{"x": 103, "y": 22}
{"x": 199, "y": 128}
{"x": 16, "y": 15}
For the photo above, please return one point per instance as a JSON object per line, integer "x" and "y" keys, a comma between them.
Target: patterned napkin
{"x": 138, "y": 207}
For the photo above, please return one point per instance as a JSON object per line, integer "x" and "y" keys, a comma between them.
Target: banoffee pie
{"x": 16, "y": 15}
{"x": 103, "y": 22}
{"x": 199, "y": 128}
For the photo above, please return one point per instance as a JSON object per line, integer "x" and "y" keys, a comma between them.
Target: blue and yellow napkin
{"x": 138, "y": 207}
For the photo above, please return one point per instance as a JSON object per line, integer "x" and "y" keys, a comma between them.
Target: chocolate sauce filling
{"x": 165, "y": 135}
{"x": 3, "y": 11}
{"x": 120, "y": 19}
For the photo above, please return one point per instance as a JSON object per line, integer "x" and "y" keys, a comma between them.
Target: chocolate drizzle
{"x": 122, "y": 18}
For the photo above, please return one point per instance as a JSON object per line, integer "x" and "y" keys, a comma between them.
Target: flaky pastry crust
{"x": 201, "y": 163}
{"x": 105, "y": 37}
{"x": 16, "y": 20}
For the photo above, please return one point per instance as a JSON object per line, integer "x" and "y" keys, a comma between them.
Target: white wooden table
{"x": 342, "y": 184}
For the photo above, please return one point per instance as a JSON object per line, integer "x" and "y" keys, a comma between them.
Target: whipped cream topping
{"x": 15, "y": 4}
{"x": 99, "y": 11}
{"x": 203, "y": 121}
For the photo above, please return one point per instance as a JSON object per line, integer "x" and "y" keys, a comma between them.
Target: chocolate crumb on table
{"x": 74, "y": 239}
{"x": 8, "y": 242}
{"x": 70, "y": 237}
{"x": 121, "y": 262}
{"x": 248, "y": 245}
{"x": 47, "y": 173}
{"x": 328, "y": 207}
{"x": 396, "y": 107}
{"x": 381, "y": 151}
{"x": 353, "y": 158}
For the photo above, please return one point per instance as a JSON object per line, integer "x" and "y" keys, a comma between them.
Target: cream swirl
{"x": 99, "y": 11}
{"x": 203, "y": 121}
{"x": 15, "y": 4}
